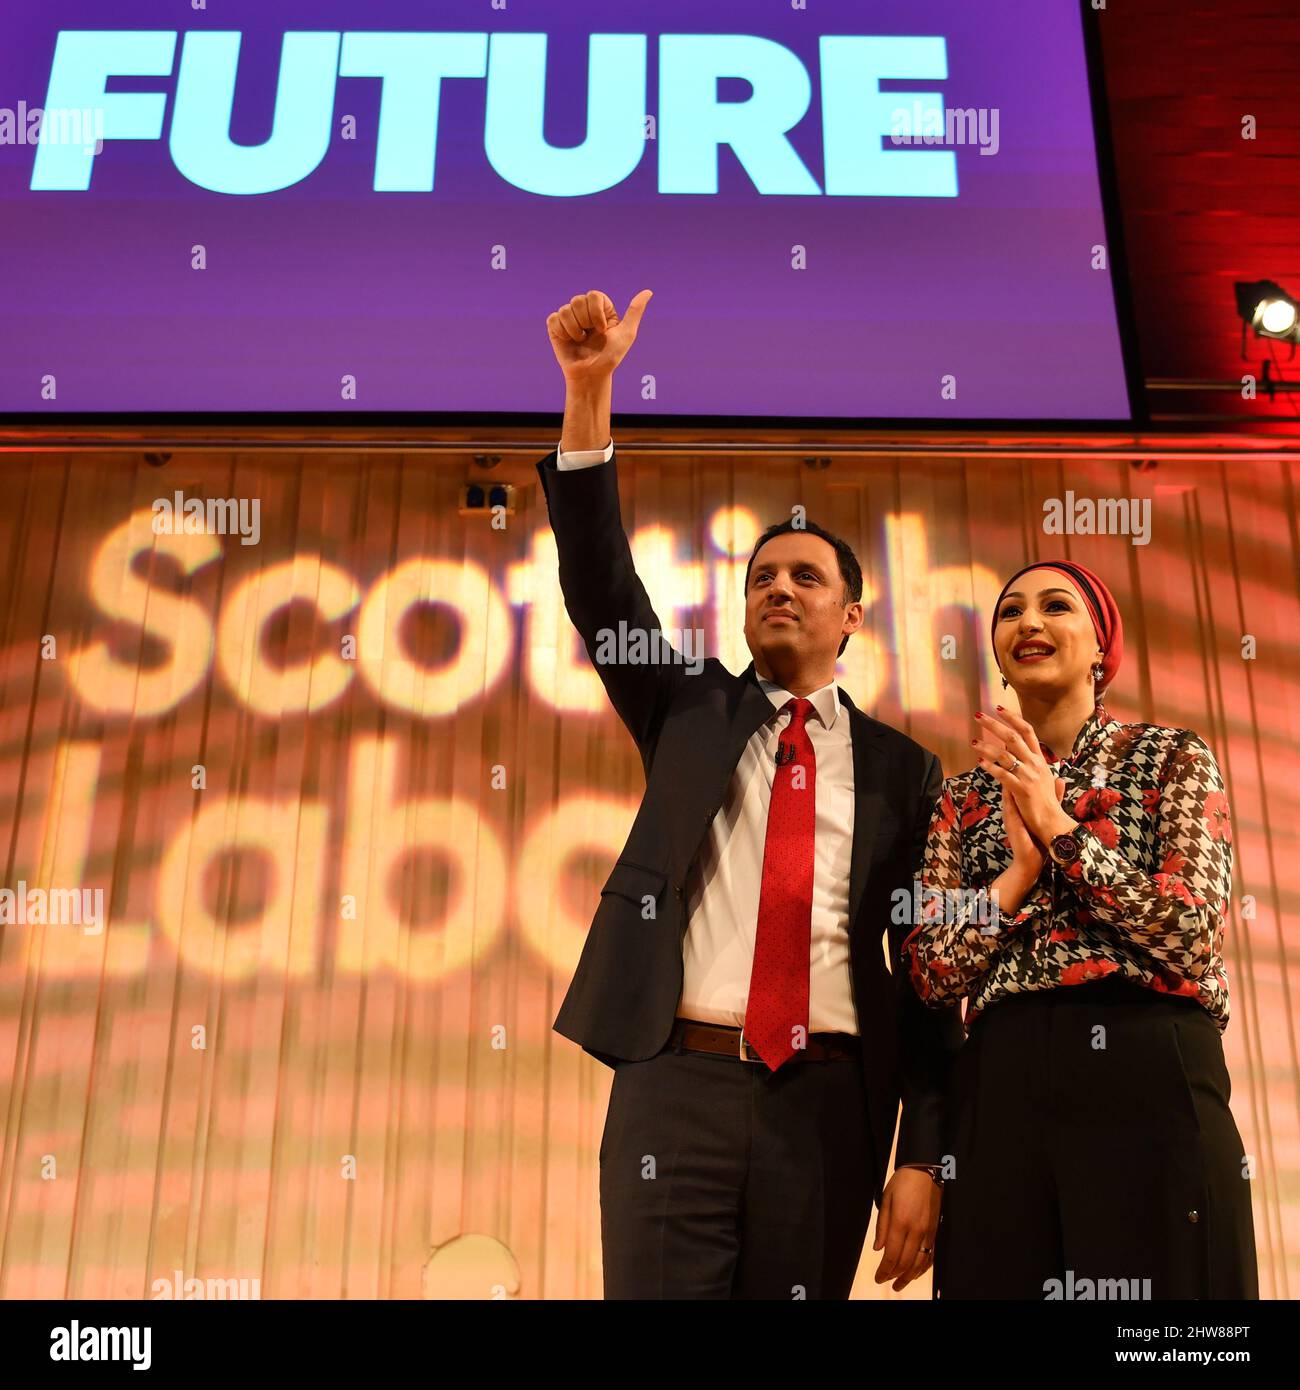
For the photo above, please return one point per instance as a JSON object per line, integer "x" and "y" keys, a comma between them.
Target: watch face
{"x": 1066, "y": 847}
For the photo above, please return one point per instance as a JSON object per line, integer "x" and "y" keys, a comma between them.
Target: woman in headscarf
{"x": 1074, "y": 890}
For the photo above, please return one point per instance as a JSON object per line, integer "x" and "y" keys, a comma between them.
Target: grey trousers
{"x": 719, "y": 1179}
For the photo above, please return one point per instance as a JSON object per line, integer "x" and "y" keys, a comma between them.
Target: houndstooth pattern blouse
{"x": 1145, "y": 900}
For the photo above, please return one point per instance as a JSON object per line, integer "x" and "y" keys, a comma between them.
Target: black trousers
{"x": 1091, "y": 1141}
{"x": 720, "y": 1179}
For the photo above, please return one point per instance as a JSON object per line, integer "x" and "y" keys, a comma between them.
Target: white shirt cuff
{"x": 583, "y": 458}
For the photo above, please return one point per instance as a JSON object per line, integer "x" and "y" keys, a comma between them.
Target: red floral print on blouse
{"x": 1218, "y": 817}
{"x": 1146, "y": 899}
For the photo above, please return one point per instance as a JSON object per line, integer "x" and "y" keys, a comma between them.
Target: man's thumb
{"x": 637, "y": 307}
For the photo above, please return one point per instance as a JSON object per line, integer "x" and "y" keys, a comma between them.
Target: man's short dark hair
{"x": 850, "y": 570}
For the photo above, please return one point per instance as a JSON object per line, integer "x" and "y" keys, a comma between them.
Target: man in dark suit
{"x": 734, "y": 975}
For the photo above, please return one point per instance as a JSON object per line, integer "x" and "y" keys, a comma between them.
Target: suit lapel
{"x": 868, "y": 769}
{"x": 752, "y": 710}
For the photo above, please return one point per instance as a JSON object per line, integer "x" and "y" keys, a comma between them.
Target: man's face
{"x": 795, "y": 603}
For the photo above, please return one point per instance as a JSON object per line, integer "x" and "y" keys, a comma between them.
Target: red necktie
{"x": 778, "y": 983}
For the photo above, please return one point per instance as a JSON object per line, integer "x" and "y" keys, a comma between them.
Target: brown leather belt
{"x": 690, "y": 1036}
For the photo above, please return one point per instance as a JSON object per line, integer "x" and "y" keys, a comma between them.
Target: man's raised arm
{"x": 604, "y": 596}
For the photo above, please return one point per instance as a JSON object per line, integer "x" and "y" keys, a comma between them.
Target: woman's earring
{"x": 1097, "y": 672}
{"x": 1004, "y": 682}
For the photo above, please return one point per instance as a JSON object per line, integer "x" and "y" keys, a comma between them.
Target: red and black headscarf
{"x": 1101, "y": 606}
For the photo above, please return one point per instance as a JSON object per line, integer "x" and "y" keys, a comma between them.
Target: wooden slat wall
{"x": 1203, "y": 207}
{"x": 421, "y": 1045}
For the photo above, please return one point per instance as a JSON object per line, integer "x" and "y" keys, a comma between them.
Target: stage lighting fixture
{"x": 1267, "y": 308}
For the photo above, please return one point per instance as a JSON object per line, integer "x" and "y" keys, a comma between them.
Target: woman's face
{"x": 1044, "y": 639}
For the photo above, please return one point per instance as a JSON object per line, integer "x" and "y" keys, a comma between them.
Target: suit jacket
{"x": 690, "y": 731}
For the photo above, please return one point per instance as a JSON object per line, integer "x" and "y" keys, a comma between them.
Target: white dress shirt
{"x": 724, "y": 882}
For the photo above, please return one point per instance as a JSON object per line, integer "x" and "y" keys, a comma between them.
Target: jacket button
{"x": 1193, "y": 1217}
{"x": 678, "y": 891}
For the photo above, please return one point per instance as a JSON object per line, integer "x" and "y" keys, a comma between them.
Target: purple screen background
{"x": 328, "y": 277}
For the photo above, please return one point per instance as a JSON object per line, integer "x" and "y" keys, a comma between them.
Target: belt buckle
{"x": 743, "y": 1045}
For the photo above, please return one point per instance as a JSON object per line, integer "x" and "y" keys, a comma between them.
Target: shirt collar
{"x": 825, "y": 701}
{"x": 1095, "y": 727}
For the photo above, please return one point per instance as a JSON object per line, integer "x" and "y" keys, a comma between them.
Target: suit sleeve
{"x": 930, "y": 1037}
{"x": 602, "y": 590}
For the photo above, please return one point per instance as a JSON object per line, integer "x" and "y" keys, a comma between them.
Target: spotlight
{"x": 1267, "y": 308}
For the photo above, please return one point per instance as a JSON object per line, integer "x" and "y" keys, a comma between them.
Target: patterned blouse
{"x": 1144, "y": 901}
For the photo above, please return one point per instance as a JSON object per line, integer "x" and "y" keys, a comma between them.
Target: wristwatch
{"x": 1066, "y": 848}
